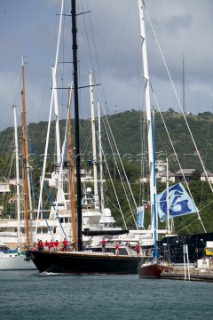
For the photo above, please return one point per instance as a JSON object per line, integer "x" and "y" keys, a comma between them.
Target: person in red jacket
{"x": 117, "y": 249}
{"x": 103, "y": 243}
{"x": 137, "y": 248}
{"x": 56, "y": 245}
{"x": 51, "y": 244}
{"x": 65, "y": 244}
{"x": 46, "y": 245}
{"x": 40, "y": 245}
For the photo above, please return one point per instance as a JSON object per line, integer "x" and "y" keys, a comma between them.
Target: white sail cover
{"x": 179, "y": 202}
{"x": 140, "y": 217}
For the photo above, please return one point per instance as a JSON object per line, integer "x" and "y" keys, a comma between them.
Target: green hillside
{"x": 129, "y": 133}
{"x": 129, "y": 137}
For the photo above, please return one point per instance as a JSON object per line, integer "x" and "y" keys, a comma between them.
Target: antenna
{"x": 183, "y": 102}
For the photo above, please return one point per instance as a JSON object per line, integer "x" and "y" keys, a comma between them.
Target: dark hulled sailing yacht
{"x": 80, "y": 261}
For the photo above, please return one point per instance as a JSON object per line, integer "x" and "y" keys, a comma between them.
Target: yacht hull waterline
{"x": 85, "y": 263}
{"x": 153, "y": 270}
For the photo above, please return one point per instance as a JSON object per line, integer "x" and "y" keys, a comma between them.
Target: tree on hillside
{"x": 196, "y": 175}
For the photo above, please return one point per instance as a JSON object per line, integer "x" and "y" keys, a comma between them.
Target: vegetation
{"x": 131, "y": 143}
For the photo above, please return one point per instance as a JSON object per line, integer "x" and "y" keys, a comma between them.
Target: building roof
{"x": 163, "y": 174}
{"x": 210, "y": 174}
{"x": 186, "y": 172}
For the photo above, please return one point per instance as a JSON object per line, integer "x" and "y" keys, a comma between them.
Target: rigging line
{"x": 208, "y": 204}
{"x": 208, "y": 134}
{"x": 142, "y": 125}
{"x": 43, "y": 213}
{"x": 60, "y": 179}
{"x": 121, "y": 162}
{"x": 113, "y": 186}
{"x": 143, "y": 148}
{"x": 85, "y": 143}
{"x": 97, "y": 58}
{"x": 50, "y": 110}
{"x": 120, "y": 37}
{"x": 117, "y": 166}
{"x": 63, "y": 65}
{"x": 176, "y": 155}
{"x": 45, "y": 186}
{"x": 185, "y": 220}
{"x": 178, "y": 100}
{"x": 9, "y": 160}
{"x": 185, "y": 227}
{"x": 89, "y": 46}
{"x": 32, "y": 184}
{"x": 115, "y": 52}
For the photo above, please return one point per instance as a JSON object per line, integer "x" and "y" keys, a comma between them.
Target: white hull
{"x": 15, "y": 263}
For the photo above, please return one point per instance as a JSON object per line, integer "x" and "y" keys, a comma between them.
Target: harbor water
{"x": 29, "y": 295}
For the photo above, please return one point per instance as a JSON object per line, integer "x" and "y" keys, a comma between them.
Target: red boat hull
{"x": 153, "y": 270}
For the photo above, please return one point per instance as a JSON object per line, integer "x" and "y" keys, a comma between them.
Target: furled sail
{"x": 140, "y": 217}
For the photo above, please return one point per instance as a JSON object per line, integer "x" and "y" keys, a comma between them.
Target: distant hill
{"x": 131, "y": 138}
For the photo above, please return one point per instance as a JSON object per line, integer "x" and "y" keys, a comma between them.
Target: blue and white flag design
{"x": 140, "y": 217}
{"x": 179, "y": 202}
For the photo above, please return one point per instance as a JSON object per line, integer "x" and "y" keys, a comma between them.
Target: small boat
{"x": 151, "y": 268}
{"x": 11, "y": 259}
{"x": 154, "y": 268}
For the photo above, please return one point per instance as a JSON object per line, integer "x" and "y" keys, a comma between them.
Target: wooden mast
{"x": 24, "y": 157}
{"x": 17, "y": 177}
{"x": 71, "y": 176}
{"x": 76, "y": 108}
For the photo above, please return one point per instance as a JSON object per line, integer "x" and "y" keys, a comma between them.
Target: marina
{"x": 201, "y": 271}
{"x": 71, "y": 247}
{"x": 82, "y": 208}
{"x": 193, "y": 275}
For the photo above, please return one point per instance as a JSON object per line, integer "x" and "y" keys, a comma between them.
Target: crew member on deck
{"x": 51, "y": 244}
{"x": 65, "y": 244}
{"x": 103, "y": 243}
{"x": 56, "y": 243}
{"x": 40, "y": 245}
{"x": 137, "y": 248}
{"x": 46, "y": 245}
{"x": 117, "y": 249}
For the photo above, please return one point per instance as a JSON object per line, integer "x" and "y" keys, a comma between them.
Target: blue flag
{"x": 140, "y": 217}
{"x": 179, "y": 202}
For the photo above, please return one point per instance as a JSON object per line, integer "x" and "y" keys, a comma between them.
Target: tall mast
{"x": 55, "y": 96}
{"x": 154, "y": 190}
{"x": 148, "y": 107}
{"x": 76, "y": 108}
{"x": 24, "y": 157}
{"x": 71, "y": 175}
{"x": 17, "y": 176}
{"x": 53, "y": 99}
{"x": 94, "y": 152}
{"x": 167, "y": 196}
{"x": 100, "y": 160}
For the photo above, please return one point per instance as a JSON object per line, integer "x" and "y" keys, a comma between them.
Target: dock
{"x": 193, "y": 275}
{"x": 202, "y": 271}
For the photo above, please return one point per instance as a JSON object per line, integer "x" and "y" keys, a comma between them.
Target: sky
{"x": 109, "y": 46}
